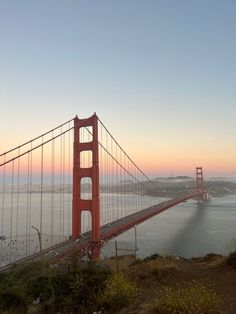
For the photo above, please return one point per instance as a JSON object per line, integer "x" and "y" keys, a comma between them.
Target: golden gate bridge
{"x": 72, "y": 189}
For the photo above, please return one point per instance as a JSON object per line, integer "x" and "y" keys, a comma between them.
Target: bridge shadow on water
{"x": 189, "y": 240}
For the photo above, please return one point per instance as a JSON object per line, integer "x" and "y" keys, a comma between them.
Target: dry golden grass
{"x": 153, "y": 274}
{"x": 195, "y": 297}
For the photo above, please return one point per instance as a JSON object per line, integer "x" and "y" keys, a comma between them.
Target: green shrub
{"x": 87, "y": 286}
{"x": 152, "y": 257}
{"x": 138, "y": 261}
{"x": 119, "y": 292}
{"x": 188, "y": 298}
{"x": 232, "y": 259}
{"x": 53, "y": 286}
{"x": 76, "y": 291}
{"x": 19, "y": 275}
{"x": 160, "y": 272}
{"x": 12, "y": 300}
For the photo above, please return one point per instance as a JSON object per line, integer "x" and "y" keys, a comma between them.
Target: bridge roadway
{"x": 115, "y": 228}
{"x": 84, "y": 244}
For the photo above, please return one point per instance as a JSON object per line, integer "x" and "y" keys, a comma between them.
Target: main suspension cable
{"x": 156, "y": 186}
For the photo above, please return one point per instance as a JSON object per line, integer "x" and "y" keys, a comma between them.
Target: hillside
{"x": 158, "y": 284}
{"x": 211, "y": 273}
{"x": 173, "y": 187}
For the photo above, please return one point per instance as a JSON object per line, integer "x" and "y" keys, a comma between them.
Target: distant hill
{"x": 175, "y": 178}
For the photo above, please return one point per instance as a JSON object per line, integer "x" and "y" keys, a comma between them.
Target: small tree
{"x": 119, "y": 291}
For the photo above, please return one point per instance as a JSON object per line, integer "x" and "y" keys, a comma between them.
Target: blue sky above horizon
{"x": 160, "y": 74}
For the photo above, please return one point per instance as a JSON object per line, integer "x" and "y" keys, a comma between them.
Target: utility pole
{"x": 40, "y": 242}
{"x": 117, "y": 262}
{"x": 135, "y": 239}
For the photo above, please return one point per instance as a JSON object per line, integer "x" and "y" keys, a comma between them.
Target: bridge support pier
{"x": 80, "y": 204}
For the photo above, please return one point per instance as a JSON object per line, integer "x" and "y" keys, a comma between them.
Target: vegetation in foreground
{"x": 154, "y": 285}
{"x": 232, "y": 259}
{"x": 84, "y": 288}
{"x": 188, "y": 297}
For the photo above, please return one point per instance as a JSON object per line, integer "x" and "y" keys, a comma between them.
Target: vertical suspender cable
{"x": 117, "y": 186}
{"x": 125, "y": 185}
{"x": 60, "y": 206}
{"x": 112, "y": 184}
{"x": 17, "y": 202}
{"x": 27, "y": 206}
{"x": 109, "y": 180}
{"x": 60, "y": 229}
{"x": 30, "y": 197}
{"x": 69, "y": 179}
{"x": 52, "y": 189}
{"x": 41, "y": 191}
{"x": 16, "y": 211}
{"x": 63, "y": 187}
{"x": 11, "y": 214}
{"x": 101, "y": 176}
{"x": 3, "y": 205}
{"x": 107, "y": 175}
{"x": 121, "y": 184}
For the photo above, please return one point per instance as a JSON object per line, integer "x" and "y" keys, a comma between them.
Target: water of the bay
{"x": 188, "y": 229}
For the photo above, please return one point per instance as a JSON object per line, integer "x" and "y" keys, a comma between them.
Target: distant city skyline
{"x": 159, "y": 74}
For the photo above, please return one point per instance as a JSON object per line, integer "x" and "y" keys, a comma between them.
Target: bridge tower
{"x": 199, "y": 177}
{"x": 80, "y": 204}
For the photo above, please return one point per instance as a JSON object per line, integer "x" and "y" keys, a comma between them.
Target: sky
{"x": 160, "y": 74}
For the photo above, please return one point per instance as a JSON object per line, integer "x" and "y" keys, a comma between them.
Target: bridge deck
{"x": 108, "y": 231}
{"x": 119, "y": 226}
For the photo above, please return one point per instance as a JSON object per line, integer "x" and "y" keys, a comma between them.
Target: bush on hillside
{"x": 57, "y": 290}
{"x": 119, "y": 292}
{"x": 232, "y": 259}
{"x": 138, "y": 261}
{"x": 162, "y": 271}
{"x": 11, "y": 300}
{"x": 86, "y": 287}
{"x": 192, "y": 297}
{"x": 151, "y": 257}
